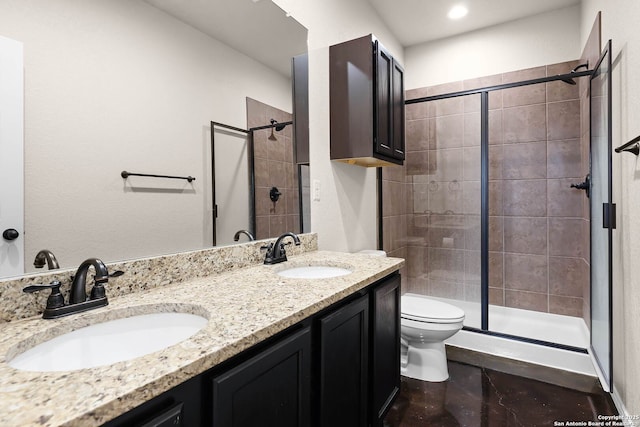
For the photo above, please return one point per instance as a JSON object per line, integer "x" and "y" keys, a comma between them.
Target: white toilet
{"x": 425, "y": 324}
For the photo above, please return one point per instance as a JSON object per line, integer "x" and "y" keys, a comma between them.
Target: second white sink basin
{"x": 314, "y": 272}
{"x": 109, "y": 342}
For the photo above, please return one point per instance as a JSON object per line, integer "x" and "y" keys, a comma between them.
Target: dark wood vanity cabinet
{"x": 359, "y": 364}
{"x": 272, "y": 388}
{"x": 344, "y": 365}
{"x": 179, "y": 407}
{"x": 385, "y": 348}
{"x": 340, "y": 367}
{"x": 366, "y": 104}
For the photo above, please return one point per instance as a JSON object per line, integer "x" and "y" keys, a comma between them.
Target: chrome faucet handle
{"x": 55, "y": 300}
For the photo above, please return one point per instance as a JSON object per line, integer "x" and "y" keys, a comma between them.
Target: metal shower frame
{"x": 250, "y": 166}
{"x": 484, "y": 196}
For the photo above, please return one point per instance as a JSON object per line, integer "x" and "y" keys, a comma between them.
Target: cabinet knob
{"x": 10, "y": 234}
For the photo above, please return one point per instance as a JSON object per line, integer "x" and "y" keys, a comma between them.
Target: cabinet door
{"x": 397, "y": 107}
{"x": 180, "y": 406}
{"x": 383, "y": 135}
{"x": 385, "y": 347}
{"x": 343, "y": 365}
{"x": 272, "y": 389}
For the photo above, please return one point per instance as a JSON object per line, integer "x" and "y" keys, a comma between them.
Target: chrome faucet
{"x": 247, "y": 233}
{"x": 45, "y": 256}
{"x": 78, "y": 298}
{"x": 276, "y": 252}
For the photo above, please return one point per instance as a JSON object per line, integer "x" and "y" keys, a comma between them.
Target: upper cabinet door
{"x": 383, "y": 139}
{"x": 397, "y": 110}
{"x": 389, "y": 105}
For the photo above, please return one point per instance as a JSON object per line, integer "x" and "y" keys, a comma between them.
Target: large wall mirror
{"x": 115, "y": 85}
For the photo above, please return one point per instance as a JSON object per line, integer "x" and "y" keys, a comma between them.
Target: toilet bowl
{"x": 424, "y": 325}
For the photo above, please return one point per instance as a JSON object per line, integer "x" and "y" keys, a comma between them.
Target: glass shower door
{"x": 602, "y": 216}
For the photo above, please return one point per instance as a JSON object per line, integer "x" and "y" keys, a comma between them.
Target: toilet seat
{"x": 421, "y": 309}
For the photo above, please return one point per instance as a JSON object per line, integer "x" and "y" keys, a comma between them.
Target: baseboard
{"x": 628, "y": 419}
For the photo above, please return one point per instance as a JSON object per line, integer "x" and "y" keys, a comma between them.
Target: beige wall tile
{"x": 567, "y": 276}
{"x": 565, "y": 237}
{"x": 564, "y": 159}
{"x": 562, "y": 200}
{"x": 526, "y": 272}
{"x": 525, "y": 197}
{"x": 526, "y": 300}
{"x": 525, "y": 160}
{"x": 563, "y": 120}
{"x": 525, "y": 124}
{"x": 525, "y": 235}
{"x": 567, "y": 306}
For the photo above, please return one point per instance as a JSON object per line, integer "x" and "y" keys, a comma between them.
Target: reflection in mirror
{"x": 305, "y": 197}
{"x": 230, "y": 184}
{"x": 123, "y": 85}
{"x": 274, "y": 167}
{"x": 258, "y": 164}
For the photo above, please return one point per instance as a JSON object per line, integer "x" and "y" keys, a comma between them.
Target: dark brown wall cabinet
{"x": 366, "y": 104}
{"x": 341, "y": 367}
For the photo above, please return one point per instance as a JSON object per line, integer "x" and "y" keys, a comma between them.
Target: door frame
{"x": 12, "y": 155}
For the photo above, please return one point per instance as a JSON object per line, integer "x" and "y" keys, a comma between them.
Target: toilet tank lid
{"x": 419, "y": 307}
{"x": 374, "y": 252}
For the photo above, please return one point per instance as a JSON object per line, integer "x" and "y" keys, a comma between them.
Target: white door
{"x": 11, "y": 158}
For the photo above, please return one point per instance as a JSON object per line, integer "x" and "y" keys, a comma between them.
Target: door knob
{"x": 10, "y": 234}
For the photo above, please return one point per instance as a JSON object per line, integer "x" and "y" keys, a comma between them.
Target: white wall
{"x": 619, "y": 23}
{"x": 529, "y": 42}
{"x": 345, "y": 216}
{"x": 113, "y": 85}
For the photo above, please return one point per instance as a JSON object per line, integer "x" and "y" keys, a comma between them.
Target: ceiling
{"x": 420, "y": 21}
{"x": 263, "y": 31}
{"x": 259, "y": 29}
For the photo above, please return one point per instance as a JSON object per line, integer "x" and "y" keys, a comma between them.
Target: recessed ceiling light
{"x": 457, "y": 12}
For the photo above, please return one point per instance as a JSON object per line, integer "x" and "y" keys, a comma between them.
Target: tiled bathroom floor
{"x": 483, "y": 397}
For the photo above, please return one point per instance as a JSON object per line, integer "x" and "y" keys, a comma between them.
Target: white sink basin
{"x": 109, "y": 342}
{"x": 314, "y": 272}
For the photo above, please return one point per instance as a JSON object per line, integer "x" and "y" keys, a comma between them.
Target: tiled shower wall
{"x": 274, "y": 167}
{"x": 538, "y": 237}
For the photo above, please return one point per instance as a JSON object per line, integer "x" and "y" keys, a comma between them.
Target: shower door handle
{"x": 583, "y": 185}
{"x": 609, "y": 215}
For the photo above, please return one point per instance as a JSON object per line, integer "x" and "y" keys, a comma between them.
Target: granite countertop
{"x": 243, "y": 306}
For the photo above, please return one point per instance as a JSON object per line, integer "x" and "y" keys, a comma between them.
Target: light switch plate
{"x": 316, "y": 190}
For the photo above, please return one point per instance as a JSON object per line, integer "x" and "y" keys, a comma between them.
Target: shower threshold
{"x": 551, "y": 340}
